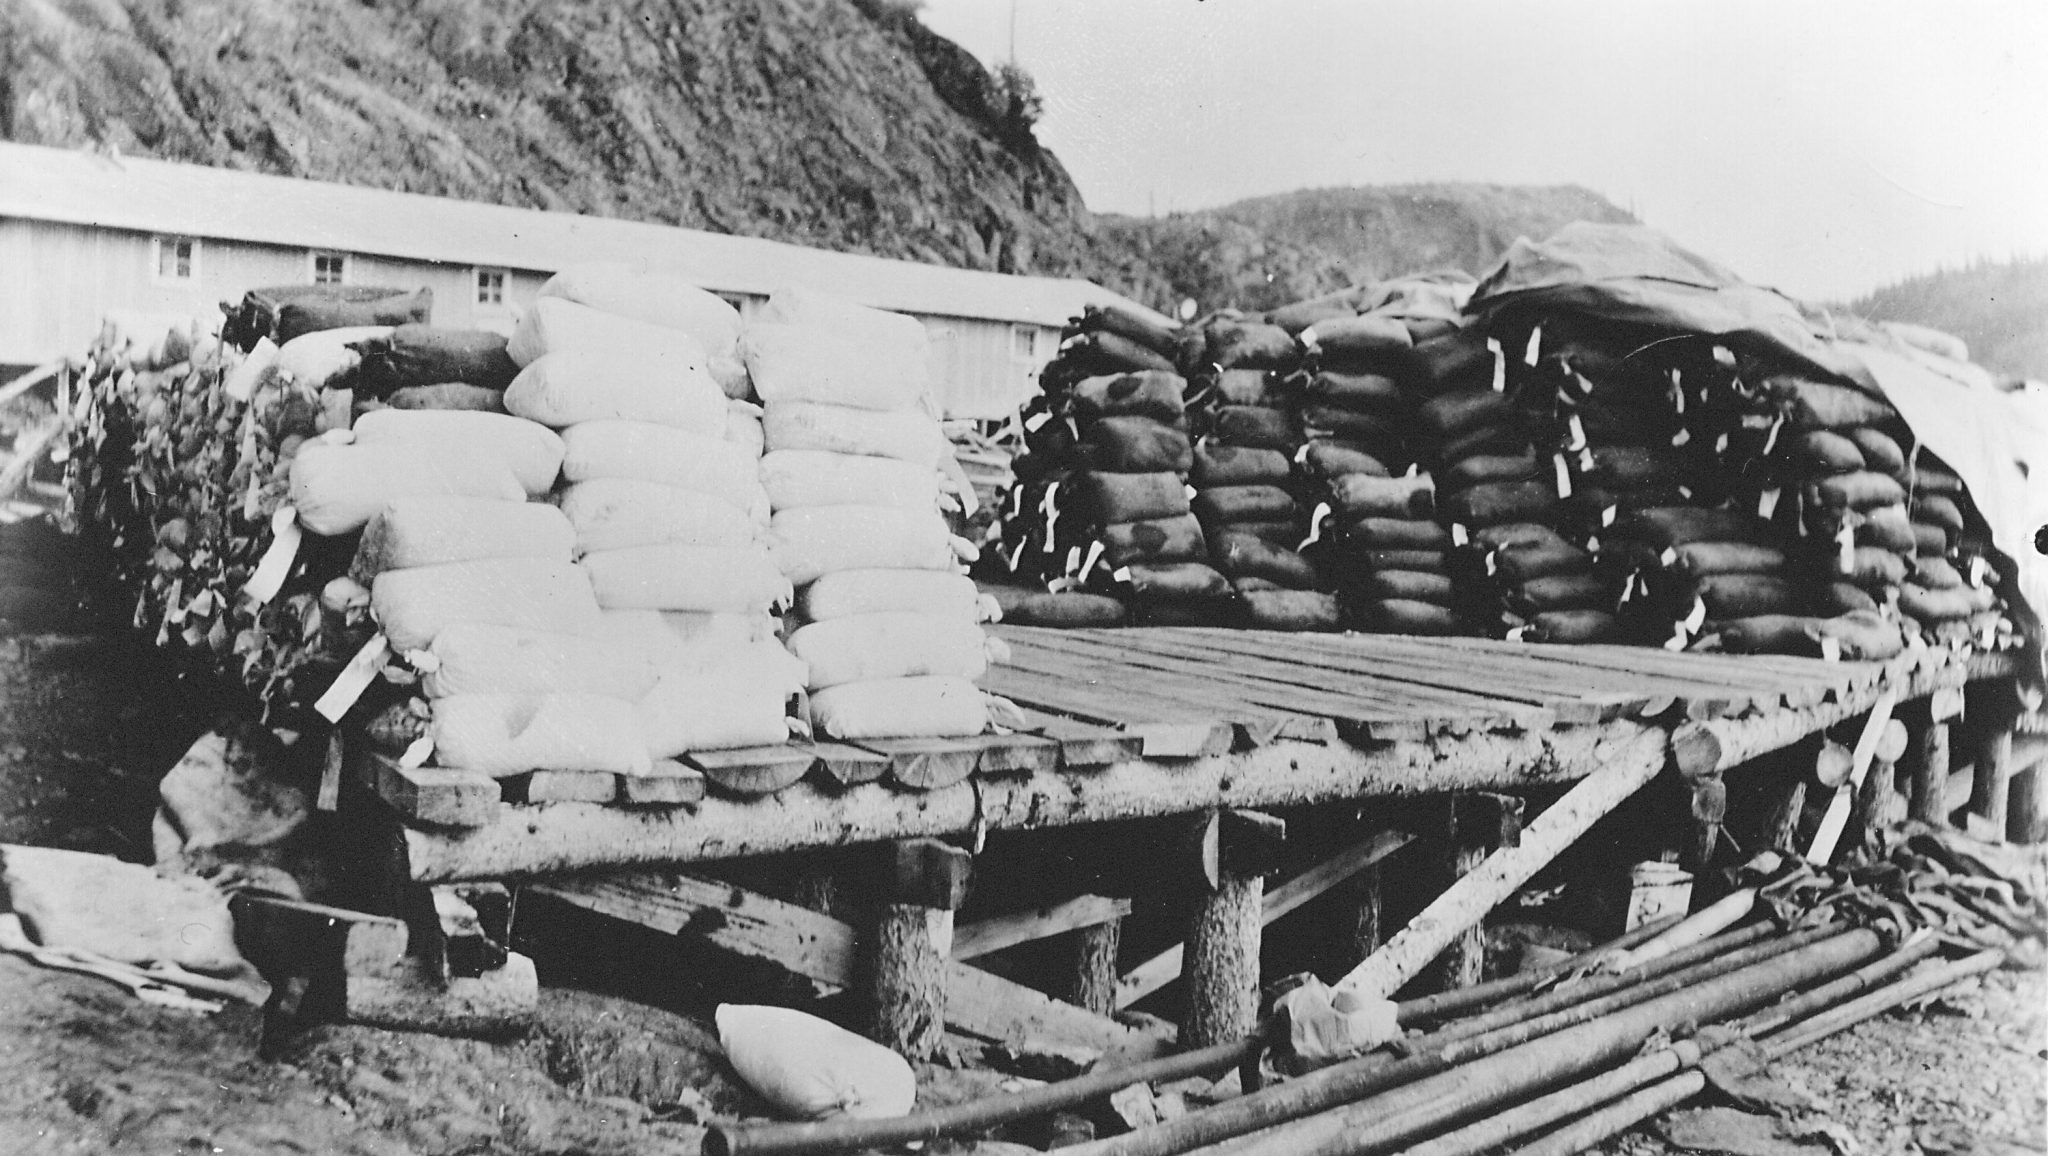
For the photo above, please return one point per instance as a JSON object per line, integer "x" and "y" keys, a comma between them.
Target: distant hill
{"x": 1998, "y": 308}
{"x": 1267, "y": 251}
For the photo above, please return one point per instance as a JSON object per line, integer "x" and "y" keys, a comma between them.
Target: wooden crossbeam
{"x": 992, "y": 935}
{"x": 1165, "y": 967}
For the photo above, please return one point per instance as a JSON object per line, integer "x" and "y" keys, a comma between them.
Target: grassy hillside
{"x": 2000, "y": 308}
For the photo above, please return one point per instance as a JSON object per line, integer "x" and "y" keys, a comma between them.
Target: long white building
{"x": 82, "y": 234}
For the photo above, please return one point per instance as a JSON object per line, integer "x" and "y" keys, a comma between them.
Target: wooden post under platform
{"x": 909, "y": 955}
{"x": 1993, "y": 710}
{"x": 1234, "y": 852}
{"x": 1094, "y": 975}
{"x": 1479, "y": 823}
{"x": 1928, "y": 801}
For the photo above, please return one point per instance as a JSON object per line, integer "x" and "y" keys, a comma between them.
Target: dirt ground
{"x": 89, "y": 721}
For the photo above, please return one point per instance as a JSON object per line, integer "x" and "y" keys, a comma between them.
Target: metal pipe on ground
{"x": 1633, "y": 1109}
{"x": 1432, "y": 1055}
{"x": 1526, "y": 1119}
{"x": 797, "y": 1139}
{"x": 1403, "y": 1114}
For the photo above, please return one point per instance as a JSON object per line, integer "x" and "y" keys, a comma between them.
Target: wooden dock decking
{"x": 1131, "y": 723}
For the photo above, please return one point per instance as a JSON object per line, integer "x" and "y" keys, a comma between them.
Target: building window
{"x": 330, "y": 268}
{"x": 1024, "y": 342}
{"x": 174, "y": 260}
{"x": 490, "y": 288}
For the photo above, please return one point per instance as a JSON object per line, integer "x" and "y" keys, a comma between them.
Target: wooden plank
{"x": 1519, "y": 670}
{"x": 822, "y": 949}
{"x": 1016, "y": 754}
{"x": 844, "y": 764}
{"x": 1648, "y": 667}
{"x": 1176, "y": 732}
{"x": 432, "y": 795}
{"x": 926, "y": 764}
{"x": 1081, "y": 744}
{"x": 1165, "y": 967}
{"x": 668, "y": 783}
{"x": 564, "y": 786}
{"x": 992, "y": 935}
{"x": 753, "y": 770}
{"x": 1733, "y": 680}
{"x": 1112, "y": 672}
{"x": 1262, "y": 711}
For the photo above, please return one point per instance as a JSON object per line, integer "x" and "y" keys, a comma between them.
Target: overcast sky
{"x": 1822, "y": 147}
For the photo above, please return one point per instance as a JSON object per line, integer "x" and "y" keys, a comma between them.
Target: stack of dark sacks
{"x": 1243, "y": 477}
{"x": 1949, "y": 591}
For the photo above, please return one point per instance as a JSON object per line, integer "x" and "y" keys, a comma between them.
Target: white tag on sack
{"x": 1534, "y": 352}
{"x": 1190, "y": 491}
{"x": 1060, "y": 585}
{"x": 1980, "y": 570}
{"x": 1767, "y": 503}
{"x": 417, "y": 752}
{"x": 1697, "y": 616}
{"x": 1771, "y": 438}
{"x": 1988, "y": 637}
{"x": 1315, "y": 525}
{"x": 1037, "y": 421}
{"x": 354, "y": 678}
{"x": 1578, "y": 428}
{"x": 1492, "y": 563}
{"x": 1500, "y": 364}
{"x": 1683, "y": 436}
{"x": 1073, "y": 567}
{"x": 1459, "y": 535}
{"x": 1017, "y": 556}
{"x": 1845, "y": 549}
{"x": 1585, "y": 384}
{"x": 1607, "y": 516}
{"x": 1122, "y": 574}
{"x": 1095, "y": 550}
{"x": 1301, "y": 455}
{"x": 1564, "y": 476}
{"x": 1307, "y": 337}
{"x": 987, "y": 609}
{"x": 1519, "y": 633}
{"x": 240, "y": 382}
{"x": 1677, "y": 394}
{"x": 963, "y": 549}
{"x": 1830, "y": 648}
{"x": 1669, "y": 555}
{"x": 276, "y": 564}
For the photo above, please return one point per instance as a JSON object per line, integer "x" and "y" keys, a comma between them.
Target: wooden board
{"x": 668, "y": 783}
{"x": 753, "y": 770}
{"x": 1164, "y": 729}
{"x": 1111, "y": 671}
{"x": 846, "y": 765}
{"x": 1083, "y": 744}
{"x": 1016, "y": 754}
{"x": 926, "y": 764}
{"x": 563, "y": 787}
{"x": 428, "y": 795}
{"x": 972, "y": 940}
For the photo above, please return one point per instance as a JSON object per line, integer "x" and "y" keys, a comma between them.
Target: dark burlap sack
{"x": 1207, "y": 612}
{"x": 1217, "y": 464}
{"x": 1930, "y": 539}
{"x": 1827, "y": 451}
{"x": 1402, "y": 616}
{"x": 1450, "y": 416}
{"x": 1228, "y": 505}
{"x": 1517, "y": 535}
{"x": 1151, "y": 394}
{"x": 1294, "y": 610}
{"x": 1857, "y": 637}
{"x": 1886, "y": 527}
{"x": 1032, "y": 466}
{"x": 1457, "y": 362}
{"x": 1636, "y": 467}
{"x": 1937, "y": 574}
{"x": 1699, "y": 559}
{"x": 1299, "y": 315}
{"x": 1421, "y": 329}
{"x": 1932, "y": 479}
{"x": 1258, "y": 427}
{"x": 1748, "y": 595}
{"x": 1247, "y": 387}
{"x": 448, "y": 395}
{"x": 1371, "y": 342}
{"x": 1154, "y": 541}
{"x": 1560, "y": 592}
{"x": 1342, "y": 558}
{"x": 1881, "y": 451}
{"x": 1103, "y": 498}
{"x": 1174, "y": 582}
{"x": 1940, "y": 510}
{"x": 417, "y": 355}
{"x": 1253, "y": 585}
{"x": 1359, "y": 392}
{"x": 1529, "y": 561}
{"x": 1240, "y": 555}
{"x": 1681, "y": 525}
{"x": 1927, "y": 604}
{"x": 1157, "y": 334}
{"x": 1488, "y": 468}
{"x": 1286, "y": 535}
{"x": 1136, "y": 445}
{"x": 1572, "y": 627}
{"x": 1100, "y": 352}
{"x": 1328, "y": 421}
{"x": 1397, "y": 534}
{"x": 1862, "y": 490}
{"x": 296, "y": 318}
{"x": 1811, "y": 405}
{"x": 1869, "y": 567}
{"x": 1833, "y": 598}
{"x": 1364, "y": 496}
{"x": 1072, "y": 610}
{"x": 1496, "y": 503}
{"x": 1325, "y": 459}
{"x": 1410, "y": 585}
{"x": 1250, "y": 345}
{"x": 1491, "y": 441}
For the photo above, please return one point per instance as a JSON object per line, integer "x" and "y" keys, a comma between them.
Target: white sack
{"x": 743, "y": 427}
{"x": 898, "y": 644}
{"x": 558, "y": 325}
{"x": 797, "y": 478}
{"x": 413, "y": 606}
{"x": 436, "y": 529}
{"x": 820, "y": 540}
{"x": 682, "y": 639}
{"x": 841, "y": 365}
{"x": 313, "y": 361}
{"x": 809, "y": 1069}
{"x": 704, "y": 463}
{"x": 730, "y": 696}
{"x": 714, "y": 579}
{"x": 899, "y": 708}
{"x": 533, "y": 452}
{"x": 510, "y": 734}
{"x": 478, "y": 658}
{"x": 793, "y": 306}
{"x": 805, "y": 425}
{"x": 593, "y": 384}
{"x": 644, "y": 295}
{"x": 614, "y": 513}
{"x": 339, "y": 488}
{"x": 843, "y": 593}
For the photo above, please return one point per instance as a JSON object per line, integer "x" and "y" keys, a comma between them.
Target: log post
{"x": 1930, "y": 770}
{"x": 908, "y": 955}
{"x": 1781, "y": 826}
{"x": 1994, "y": 709}
{"x": 1878, "y": 804}
{"x": 1234, "y": 852}
{"x": 1479, "y": 824}
{"x": 1094, "y": 968}
{"x": 2027, "y": 814}
{"x": 1696, "y": 756}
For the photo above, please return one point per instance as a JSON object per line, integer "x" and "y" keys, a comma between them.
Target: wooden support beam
{"x": 564, "y": 787}
{"x": 906, "y": 960}
{"x": 1093, "y": 984}
{"x": 1873, "y": 733}
{"x": 750, "y": 771}
{"x": 2027, "y": 819}
{"x": 847, "y": 765}
{"x": 992, "y": 935}
{"x": 1165, "y": 967}
{"x": 287, "y": 937}
{"x": 822, "y": 949}
{"x": 1781, "y": 823}
{"x": 1930, "y": 771}
{"x": 1994, "y": 709}
{"x": 498, "y": 1002}
{"x": 428, "y": 795}
{"x": 668, "y": 783}
{"x": 1476, "y": 825}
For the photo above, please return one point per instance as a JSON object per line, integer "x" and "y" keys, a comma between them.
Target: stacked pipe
{"x": 887, "y": 624}
{"x": 660, "y": 486}
{"x": 1243, "y": 474}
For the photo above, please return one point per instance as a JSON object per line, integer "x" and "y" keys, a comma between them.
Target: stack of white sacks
{"x": 886, "y": 621}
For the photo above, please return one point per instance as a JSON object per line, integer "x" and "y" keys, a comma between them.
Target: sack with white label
{"x": 413, "y": 606}
{"x": 339, "y": 488}
{"x": 479, "y": 658}
{"x": 435, "y": 529}
{"x": 818, "y": 540}
{"x": 908, "y": 435}
{"x": 533, "y": 452}
{"x": 614, "y": 513}
{"x": 704, "y": 463}
{"x": 510, "y": 734}
{"x": 898, "y": 644}
{"x": 809, "y": 1069}
{"x": 714, "y": 579}
{"x": 797, "y": 478}
{"x": 930, "y": 706}
{"x": 844, "y": 593}
{"x": 314, "y": 361}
